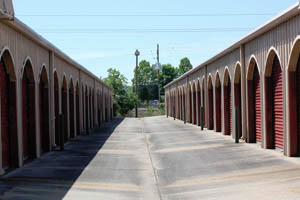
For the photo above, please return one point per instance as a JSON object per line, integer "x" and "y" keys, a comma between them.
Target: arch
{"x": 218, "y": 103}
{"x": 91, "y": 108}
{"x": 254, "y": 102}
{"x": 72, "y": 108}
{"x": 194, "y": 103}
{"x": 56, "y": 108}
{"x": 86, "y": 110}
{"x": 8, "y": 103}
{"x": 203, "y": 102}
{"x": 198, "y": 102}
{"x": 274, "y": 101}
{"x": 238, "y": 98}
{"x": 64, "y": 107}
{"x": 7, "y": 58}
{"x": 294, "y": 100}
{"x": 28, "y": 111}
{"x": 210, "y": 103}
{"x": 44, "y": 111}
{"x": 77, "y": 110}
{"x": 190, "y": 113}
{"x": 227, "y": 103}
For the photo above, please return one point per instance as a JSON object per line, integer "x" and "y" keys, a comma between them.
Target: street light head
{"x": 137, "y": 53}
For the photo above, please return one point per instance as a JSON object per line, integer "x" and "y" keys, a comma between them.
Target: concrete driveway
{"x": 155, "y": 158}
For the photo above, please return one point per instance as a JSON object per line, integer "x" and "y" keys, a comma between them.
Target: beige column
{"x": 243, "y": 91}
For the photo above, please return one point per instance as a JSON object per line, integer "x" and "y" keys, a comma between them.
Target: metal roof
{"x": 279, "y": 19}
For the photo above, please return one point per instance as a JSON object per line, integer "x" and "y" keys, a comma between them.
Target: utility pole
{"x": 158, "y": 67}
{"x": 137, "y": 53}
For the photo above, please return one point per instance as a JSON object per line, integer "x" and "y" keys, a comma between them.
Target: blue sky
{"x": 102, "y": 34}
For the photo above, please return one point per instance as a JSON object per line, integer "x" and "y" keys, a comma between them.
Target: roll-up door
{"x": 277, "y": 104}
{"x": 211, "y": 109}
{"x": 257, "y": 105}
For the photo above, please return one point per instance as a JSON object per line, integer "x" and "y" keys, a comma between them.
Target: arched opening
{"x": 294, "y": 100}
{"x": 194, "y": 104}
{"x": 83, "y": 93}
{"x": 181, "y": 104}
{"x": 184, "y": 105}
{"x": 178, "y": 103}
{"x": 77, "y": 110}
{"x": 210, "y": 104}
{"x": 274, "y": 102}
{"x": 238, "y": 99}
{"x": 44, "y": 111}
{"x": 106, "y": 108}
{"x": 218, "y": 104}
{"x": 254, "y": 103}
{"x": 9, "y": 131}
{"x": 198, "y": 103}
{"x": 28, "y": 105}
{"x": 86, "y": 110}
{"x": 190, "y": 104}
{"x": 56, "y": 109}
{"x": 91, "y": 108}
{"x": 64, "y": 108}
{"x": 99, "y": 109}
{"x": 227, "y": 104}
{"x": 203, "y": 102}
{"x": 72, "y": 109}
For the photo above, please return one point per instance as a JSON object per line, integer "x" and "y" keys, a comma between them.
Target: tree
{"x": 184, "y": 66}
{"x": 124, "y": 99}
{"x": 146, "y": 77}
{"x": 145, "y": 73}
{"x": 167, "y": 75}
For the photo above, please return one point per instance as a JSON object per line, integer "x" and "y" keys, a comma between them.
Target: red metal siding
{"x": 228, "y": 109}
{"x": 211, "y": 109}
{"x": 77, "y": 114}
{"x": 4, "y": 118}
{"x": 218, "y": 110}
{"x": 25, "y": 118}
{"x": 277, "y": 104}
{"x": 298, "y": 105}
{"x": 65, "y": 113}
{"x": 257, "y": 105}
{"x": 71, "y": 109}
{"x": 194, "y": 108}
{"x": 203, "y": 105}
{"x": 199, "y": 107}
{"x": 237, "y": 88}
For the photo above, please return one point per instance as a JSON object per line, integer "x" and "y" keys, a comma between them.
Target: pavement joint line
{"x": 154, "y": 171}
{"x": 266, "y": 171}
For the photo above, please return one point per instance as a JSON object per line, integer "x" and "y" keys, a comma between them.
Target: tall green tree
{"x": 124, "y": 99}
{"x": 184, "y": 66}
{"x": 168, "y": 74}
{"x": 146, "y": 77}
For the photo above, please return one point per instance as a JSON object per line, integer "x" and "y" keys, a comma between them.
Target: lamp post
{"x": 137, "y": 53}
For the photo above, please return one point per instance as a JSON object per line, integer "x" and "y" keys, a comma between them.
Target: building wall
{"x": 23, "y": 49}
{"x": 282, "y": 41}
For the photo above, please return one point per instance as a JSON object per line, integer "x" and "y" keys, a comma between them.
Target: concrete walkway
{"x": 155, "y": 158}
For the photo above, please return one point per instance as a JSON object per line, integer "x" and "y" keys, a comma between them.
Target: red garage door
{"x": 203, "y": 105}
{"x": 211, "y": 109}
{"x": 228, "y": 109}
{"x": 277, "y": 103}
{"x": 218, "y": 110}
{"x": 257, "y": 106}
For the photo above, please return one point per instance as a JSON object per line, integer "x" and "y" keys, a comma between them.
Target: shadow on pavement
{"x": 52, "y": 175}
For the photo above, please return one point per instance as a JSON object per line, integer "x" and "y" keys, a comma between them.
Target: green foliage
{"x": 124, "y": 99}
{"x": 184, "y": 66}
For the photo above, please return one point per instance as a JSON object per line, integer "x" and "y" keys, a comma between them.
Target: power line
{"x": 136, "y": 30}
{"x": 149, "y": 15}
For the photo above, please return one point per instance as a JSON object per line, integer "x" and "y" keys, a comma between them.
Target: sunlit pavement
{"x": 156, "y": 158}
